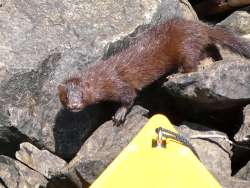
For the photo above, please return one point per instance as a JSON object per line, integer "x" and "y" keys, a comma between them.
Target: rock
{"x": 238, "y": 3}
{"x": 9, "y": 139}
{"x": 214, "y": 153}
{"x": 220, "y": 88}
{"x": 239, "y": 21}
{"x": 244, "y": 173}
{"x": 207, "y": 8}
{"x": 62, "y": 182}
{"x": 41, "y": 161}
{"x": 244, "y": 132}
{"x": 2, "y": 186}
{"x": 43, "y": 42}
{"x": 242, "y": 148}
{"x": 233, "y": 182}
{"x": 105, "y": 144}
{"x": 16, "y": 175}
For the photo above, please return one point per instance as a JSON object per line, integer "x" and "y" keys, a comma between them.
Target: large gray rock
{"x": 105, "y": 144}
{"x": 221, "y": 86}
{"x": 239, "y": 21}
{"x": 16, "y": 175}
{"x": 43, "y": 42}
{"x": 244, "y": 132}
{"x": 214, "y": 153}
{"x": 41, "y": 161}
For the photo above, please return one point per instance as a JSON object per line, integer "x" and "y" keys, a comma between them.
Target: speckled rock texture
{"x": 43, "y": 42}
{"x": 16, "y": 175}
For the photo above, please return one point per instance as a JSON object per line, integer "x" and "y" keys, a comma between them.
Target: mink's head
{"x": 71, "y": 95}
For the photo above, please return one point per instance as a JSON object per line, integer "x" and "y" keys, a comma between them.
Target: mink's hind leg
{"x": 127, "y": 99}
{"x": 190, "y": 62}
{"x": 193, "y": 56}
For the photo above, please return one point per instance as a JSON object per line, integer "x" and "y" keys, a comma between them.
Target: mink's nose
{"x": 75, "y": 105}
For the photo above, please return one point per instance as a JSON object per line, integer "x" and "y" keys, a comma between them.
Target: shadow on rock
{"x": 62, "y": 182}
{"x": 72, "y": 129}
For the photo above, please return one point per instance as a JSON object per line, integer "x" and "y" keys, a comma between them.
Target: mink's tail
{"x": 229, "y": 40}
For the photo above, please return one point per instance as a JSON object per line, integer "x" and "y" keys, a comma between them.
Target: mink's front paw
{"x": 120, "y": 116}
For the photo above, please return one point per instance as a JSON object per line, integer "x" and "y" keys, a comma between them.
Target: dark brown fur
{"x": 175, "y": 45}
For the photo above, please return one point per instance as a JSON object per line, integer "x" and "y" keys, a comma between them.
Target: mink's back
{"x": 155, "y": 52}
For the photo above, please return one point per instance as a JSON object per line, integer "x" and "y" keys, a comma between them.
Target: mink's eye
{"x": 82, "y": 97}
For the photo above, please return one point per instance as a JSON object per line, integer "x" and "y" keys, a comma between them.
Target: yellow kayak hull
{"x": 140, "y": 165}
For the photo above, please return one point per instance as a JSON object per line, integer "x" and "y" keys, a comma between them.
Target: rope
{"x": 185, "y": 141}
{"x": 207, "y": 136}
{"x": 178, "y": 137}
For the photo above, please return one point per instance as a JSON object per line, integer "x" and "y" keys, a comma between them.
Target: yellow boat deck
{"x": 140, "y": 165}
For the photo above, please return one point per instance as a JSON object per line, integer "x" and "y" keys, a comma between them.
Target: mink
{"x": 175, "y": 45}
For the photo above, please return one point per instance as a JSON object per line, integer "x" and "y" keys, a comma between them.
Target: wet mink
{"x": 174, "y": 45}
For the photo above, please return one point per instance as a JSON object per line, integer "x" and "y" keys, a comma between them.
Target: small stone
{"x": 42, "y": 161}
{"x": 244, "y": 132}
{"x": 16, "y": 175}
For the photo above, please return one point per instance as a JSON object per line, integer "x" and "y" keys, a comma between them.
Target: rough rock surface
{"x": 9, "y": 139}
{"x": 239, "y": 21}
{"x": 214, "y": 153}
{"x": 16, "y": 175}
{"x": 2, "y": 186}
{"x": 244, "y": 173}
{"x": 221, "y": 86}
{"x": 41, "y": 161}
{"x": 233, "y": 182}
{"x": 244, "y": 132}
{"x": 42, "y": 42}
{"x": 105, "y": 144}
